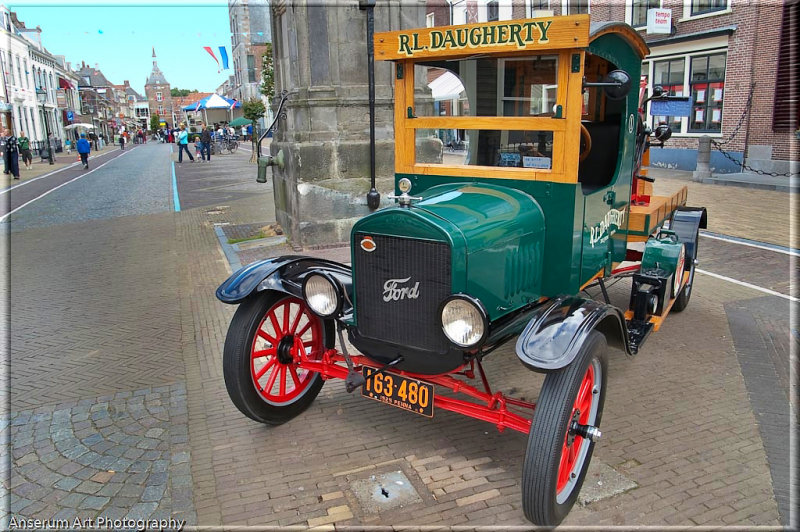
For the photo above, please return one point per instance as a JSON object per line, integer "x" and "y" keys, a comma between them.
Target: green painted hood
{"x": 484, "y": 214}
{"x": 496, "y": 235}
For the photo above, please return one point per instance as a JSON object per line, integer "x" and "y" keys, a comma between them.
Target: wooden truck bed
{"x": 644, "y": 219}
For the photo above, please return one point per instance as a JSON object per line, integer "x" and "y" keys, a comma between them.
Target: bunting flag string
{"x": 211, "y": 52}
{"x": 223, "y": 53}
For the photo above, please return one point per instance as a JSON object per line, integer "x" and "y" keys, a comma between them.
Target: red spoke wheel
{"x": 557, "y": 457}
{"x": 262, "y": 347}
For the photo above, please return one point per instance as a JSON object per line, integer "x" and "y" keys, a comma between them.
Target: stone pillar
{"x": 321, "y": 60}
{"x": 703, "y": 170}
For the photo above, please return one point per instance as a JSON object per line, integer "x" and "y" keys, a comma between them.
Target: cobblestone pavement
{"x": 96, "y": 419}
{"x": 61, "y": 160}
{"x": 763, "y": 215}
{"x": 692, "y": 465}
{"x": 117, "y": 402}
{"x": 119, "y": 456}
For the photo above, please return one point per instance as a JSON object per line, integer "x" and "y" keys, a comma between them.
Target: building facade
{"x": 27, "y": 69}
{"x": 250, "y": 33}
{"x": 736, "y": 60}
{"x": 157, "y": 91}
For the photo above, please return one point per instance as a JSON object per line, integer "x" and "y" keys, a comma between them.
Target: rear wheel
{"x": 261, "y": 375}
{"x": 682, "y": 301}
{"x": 557, "y": 456}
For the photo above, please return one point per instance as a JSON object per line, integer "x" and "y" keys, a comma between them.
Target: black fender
{"x": 558, "y": 328}
{"x": 685, "y": 222}
{"x": 284, "y": 274}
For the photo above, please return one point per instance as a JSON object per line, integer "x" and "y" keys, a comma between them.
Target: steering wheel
{"x": 586, "y": 140}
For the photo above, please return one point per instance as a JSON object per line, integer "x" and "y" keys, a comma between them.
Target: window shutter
{"x": 786, "y": 111}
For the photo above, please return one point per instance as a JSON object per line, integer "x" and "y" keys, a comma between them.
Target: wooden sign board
{"x": 508, "y": 36}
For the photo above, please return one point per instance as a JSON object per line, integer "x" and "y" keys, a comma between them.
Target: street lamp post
{"x": 41, "y": 95}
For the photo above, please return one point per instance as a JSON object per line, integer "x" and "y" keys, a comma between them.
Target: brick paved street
{"x": 117, "y": 406}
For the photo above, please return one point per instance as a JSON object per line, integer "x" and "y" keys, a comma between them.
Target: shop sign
{"x": 659, "y": 21}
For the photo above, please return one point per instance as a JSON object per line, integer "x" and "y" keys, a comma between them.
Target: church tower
{"x": 157, "y": 92}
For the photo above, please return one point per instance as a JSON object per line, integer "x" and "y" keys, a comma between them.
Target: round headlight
{"x": 463, "y": 322}
{"x": 404, "y": 185}
{"x": 321, "y": 295}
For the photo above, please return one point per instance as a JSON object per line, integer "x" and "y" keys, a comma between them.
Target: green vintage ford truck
{"x": 521, "y": 185}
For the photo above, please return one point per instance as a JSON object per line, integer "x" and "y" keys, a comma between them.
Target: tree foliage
{"x": 176, "y": 92}
{"x": 253, "y": 109}
{"x": 267, "y": 73}
{"x": 154, "y": 122}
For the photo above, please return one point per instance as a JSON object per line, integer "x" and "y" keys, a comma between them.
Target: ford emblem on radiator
{"x": 393, "y": 292}
{"x": 367, "y": 244}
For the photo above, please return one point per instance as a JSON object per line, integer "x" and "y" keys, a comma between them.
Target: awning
{"x": 65, "y": 84}
{"x": 446, "y": 87}
{"x": 215, "y": 101}
{"x": 240, "y": 121}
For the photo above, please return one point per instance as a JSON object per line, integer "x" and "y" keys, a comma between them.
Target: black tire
{"x": 682, "y": 301}
{"x": 270, "y": 388}
{"x": 544, "y": 501}
{"x": 233, "y": 146}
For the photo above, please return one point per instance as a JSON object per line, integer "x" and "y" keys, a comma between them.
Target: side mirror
{"x": 663, "y": 132}
{"x": 618, "y": 84}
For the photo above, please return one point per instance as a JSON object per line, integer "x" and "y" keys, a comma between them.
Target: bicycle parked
{"x": 225, "y": 145}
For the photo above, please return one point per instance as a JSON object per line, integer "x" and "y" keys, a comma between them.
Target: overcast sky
{"x": 120, "y": 36}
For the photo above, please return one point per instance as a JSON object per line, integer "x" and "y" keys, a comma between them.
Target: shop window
{"x": 493, "y": 11}
{"x": 786, "y": 109}
{"x": 701, "y": 7}
{"x": 537, "y": 5}
{"x": 669, "y": 74}
{"x": 11, "y": 68}
{"x": 251, "y": 69}
{"x": 707, "y": 84}
{"x": 577, "y": 7}
{"x": 639, "y": 11}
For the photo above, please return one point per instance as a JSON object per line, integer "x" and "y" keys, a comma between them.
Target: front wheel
{"x": 233, "y": 146}
{"x": 557, "y": 456}
{"x": 258, "y": 361}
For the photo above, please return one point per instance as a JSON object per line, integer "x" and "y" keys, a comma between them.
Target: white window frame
{"x": 648, "y": 66}
{"x": 529, "y": 10}
{"x": 159, "y": 97}
{"x": 687, "y": 11}
{"x": 430, "y": 19}
{"x": 629, "y": 13}
{"x": 565, "y": 7}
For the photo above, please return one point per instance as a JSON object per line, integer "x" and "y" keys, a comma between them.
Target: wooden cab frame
{"x": 566, "y": 37}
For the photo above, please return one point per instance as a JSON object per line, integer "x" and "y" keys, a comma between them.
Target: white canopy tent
{"x": 446, "y": 87}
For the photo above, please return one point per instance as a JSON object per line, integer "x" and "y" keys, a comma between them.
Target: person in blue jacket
{"x": 83, "y": 150}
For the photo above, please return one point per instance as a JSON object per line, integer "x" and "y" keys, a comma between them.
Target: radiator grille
{"x": 392, "y": 271}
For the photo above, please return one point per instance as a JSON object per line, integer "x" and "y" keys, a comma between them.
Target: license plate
{"x": 402, "y": 392}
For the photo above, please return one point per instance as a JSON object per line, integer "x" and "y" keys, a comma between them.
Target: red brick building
{"x": 719, "y": 52}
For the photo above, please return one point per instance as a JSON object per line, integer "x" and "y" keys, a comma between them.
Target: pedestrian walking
{"x": 205, "y": 141}
{"x": 250, "y": 132}
{"x": 183, "y": 144}
{"x": 3, "y": 139}
{"x": 122, "y": 141}
{"x": 25, "y": 150}
{"x": 12, "y": 154}
{"x": 84, "y": 148}
{"x": 198, "y": 147}
{"x": 244, "y": 133}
